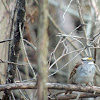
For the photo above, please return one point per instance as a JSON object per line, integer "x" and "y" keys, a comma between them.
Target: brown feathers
{"x": 74, "y": 70}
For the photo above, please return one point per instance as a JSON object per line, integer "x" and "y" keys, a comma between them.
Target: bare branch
{"x": 5, "y": 40}
{"x": 81, "y": 17}
{"x": 70, "y": 10}
{"x": 73, "y": 96}
{"x": 15, "y": 47}
{"x": 8, "y": 62}
{"x": 57, "y": 86}
{"x": 59, "y": 30}
{"x": 30, "y": 44}
{"x": 42, "y": 50}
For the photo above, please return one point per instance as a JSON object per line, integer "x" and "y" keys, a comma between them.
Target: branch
{"x": 57, "y": 86}
{"x": 5, "y": 40}
{"x": 80, "y": 10}
{"x": 30, "y": 44}
{"x": 42, "y": 49}
{"x": 15, "y": 46}
{"x": 8, "y": 62}
{"x": 70, "y": 10}
{"x": 74, "y": 95}
{"x": 59, "y": 30}
{"x": 27, "y": 42}
{"x": 15, "y": 43}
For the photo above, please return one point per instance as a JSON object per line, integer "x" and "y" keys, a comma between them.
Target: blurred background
{"x": 68, "y": 42}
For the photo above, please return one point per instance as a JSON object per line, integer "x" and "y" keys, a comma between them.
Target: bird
{"x": 83, "y": 73}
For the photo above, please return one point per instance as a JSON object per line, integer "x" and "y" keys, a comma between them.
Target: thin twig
{"x": 66, "y": 10}
{"x": 5, "y": 6}
{"x": 70, "y": 11}
{"x": 12, "y": 95}
{"x": 57, "y": 27}
{"x": 80, "y": 10}
{"x": 66, "y": 63}
{"x": 81, "y": 17}
{"x": 12, "y": 27}
{"x": 30, "y": 44}
{"x": 9, "y": 62}
{"x": 6, "y": 40}
{"x": 64, "y": 56}
{"x": 26, "y": 52}
{"x": 73, "y": 37}
{"x": 21, "y": 81}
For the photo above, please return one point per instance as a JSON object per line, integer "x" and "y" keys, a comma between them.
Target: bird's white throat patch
{"x": 91, "y": 63}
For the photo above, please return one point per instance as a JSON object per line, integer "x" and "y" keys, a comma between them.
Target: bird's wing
{"x": 74, "y": 71}
{"x": 71, "y": 76}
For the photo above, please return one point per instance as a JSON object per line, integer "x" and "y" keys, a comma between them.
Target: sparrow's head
{"x": 87, "y": 59}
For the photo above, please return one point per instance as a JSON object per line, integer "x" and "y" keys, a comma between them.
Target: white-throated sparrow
{"x": 83, "y": 73}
